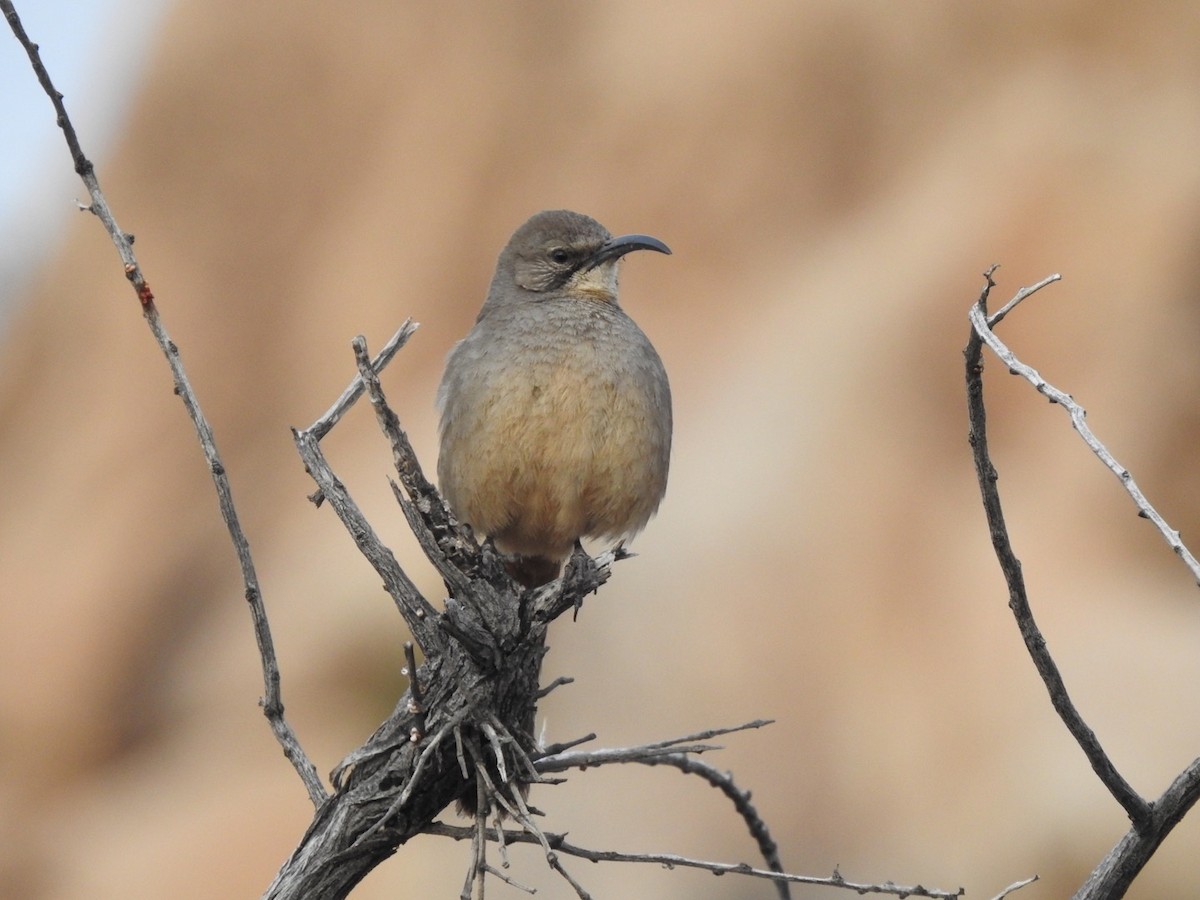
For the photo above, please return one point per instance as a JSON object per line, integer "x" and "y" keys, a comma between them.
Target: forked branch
{"x": 1151, "y": 821}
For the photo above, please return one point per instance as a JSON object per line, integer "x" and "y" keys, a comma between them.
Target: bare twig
{"x": 552, "y": 749}
{"x": 350, "y": 396}
{"x": 981, "y": 323}
{"x": 508, "y": 879}
{"x": 723, "y": 782}
{"x": 556, "y": 683}
{"x": 477, "y": 872}
{"x": 997, "y": 317}
{"x": 1025, "y": 882}
{"x": 495, "y": 741}
{"x": 272, "y": 700}
{"x": 557, "y": 866}
{"x": 676, "y": 752}
{"x": 498, "y": 820}
{"x": 532, "y": 829}
{"x": 710, "y": 733}
{"x": 492, "y": 794}
{"x": 1136, "y": 807}
{"x": 559, "y": 843}
{"x": 561, "y": 761}
{"x": 498, "y": 734}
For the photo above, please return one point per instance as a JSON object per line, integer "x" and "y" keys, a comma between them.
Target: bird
{"x": 555, "y": 408}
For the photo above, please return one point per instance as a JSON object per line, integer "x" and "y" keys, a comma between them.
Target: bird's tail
{"x": 532, "y": 571}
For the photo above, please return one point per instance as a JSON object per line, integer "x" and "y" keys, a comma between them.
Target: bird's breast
{"x": 555, "y": 433}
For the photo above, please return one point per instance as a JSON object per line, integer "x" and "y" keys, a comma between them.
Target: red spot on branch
{"x": 145, "y": 295}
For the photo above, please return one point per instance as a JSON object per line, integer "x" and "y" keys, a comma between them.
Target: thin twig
{"x": 997, "y": 317}
{"x": 488, "y": 793}
{"x": 553, "y": 749}
{"x": 980, "y": 321}
{"x": 508, "y": 879}
{"x": 531, "y": 828}
{"x": 1135, "y": 807}
{"x": 586, "y": 759}
{"x": 1016, "y": 885}
{"x": 557, "y": 866}
{"x": 557, "y": 682}
{"x": 677, "y": 752}
{"x": 272, "y": 700}
{"x": 500, "y": 845}
{"x": 559, "y": 843}
{"x": 723, "y": 782}
{"x": 479, "y": 861}
{"x": 459, "y": 754}
{"x": 492, "y": 793}
{"x": 350, "y": 395}
{"x": 496, "y": 743}
{"x": 499, "y": 734}
{"x": 709, "y": 733}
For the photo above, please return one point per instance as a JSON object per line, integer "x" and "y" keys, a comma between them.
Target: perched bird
{"x": 555, "y": 408}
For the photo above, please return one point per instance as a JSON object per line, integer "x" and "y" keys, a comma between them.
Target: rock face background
{"x": 833, "y": 177}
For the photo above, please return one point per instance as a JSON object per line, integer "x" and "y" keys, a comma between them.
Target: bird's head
{"x": 559, "y": 251}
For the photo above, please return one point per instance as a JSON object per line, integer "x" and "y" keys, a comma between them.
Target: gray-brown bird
{"x": 556, "y": 411}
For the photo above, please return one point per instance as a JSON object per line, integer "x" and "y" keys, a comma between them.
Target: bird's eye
{"x": 559, "y": 255}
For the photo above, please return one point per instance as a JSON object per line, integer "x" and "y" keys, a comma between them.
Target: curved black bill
{"x": 626, "y": 243}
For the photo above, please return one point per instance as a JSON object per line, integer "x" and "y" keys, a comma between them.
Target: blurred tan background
{"x": 832, "y": 177}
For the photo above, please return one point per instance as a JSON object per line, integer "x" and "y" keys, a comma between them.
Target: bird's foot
{"x": 579, "y": 570}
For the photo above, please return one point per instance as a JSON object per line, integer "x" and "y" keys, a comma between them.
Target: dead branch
{"x": 1152, "y": 821}
{"x": 479, "y": 686}
{"x": 559, "y": 843}
{"x": 479, "y": 683}
{"x": 1015, "y": 886}
{"x": 983, "y": 325}
{"x": 272, "y": 700}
